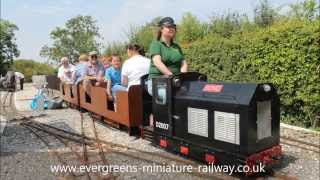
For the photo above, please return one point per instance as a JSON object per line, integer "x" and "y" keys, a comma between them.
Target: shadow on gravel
{"x": 285, "y": 161}
{"x": 17, "y": 139}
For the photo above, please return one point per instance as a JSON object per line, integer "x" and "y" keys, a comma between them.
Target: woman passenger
{"x": 135, "y": 67}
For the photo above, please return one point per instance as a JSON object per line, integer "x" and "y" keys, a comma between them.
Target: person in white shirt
{"x": 135, "y": 67}
{"x": 20, "y": 79}
{"x": 65, "y": 71}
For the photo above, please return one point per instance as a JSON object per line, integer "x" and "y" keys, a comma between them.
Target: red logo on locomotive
{"x": 213, "y": 88}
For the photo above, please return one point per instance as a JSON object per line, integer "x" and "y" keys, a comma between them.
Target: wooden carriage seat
{"x": 128, "y": 104}
{"x": 69, "y": 93}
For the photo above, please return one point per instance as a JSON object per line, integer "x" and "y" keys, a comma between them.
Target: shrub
{"x": 31, "y": 67}
{"x": 286, "y": 54}
{"x": 279, "y": 48}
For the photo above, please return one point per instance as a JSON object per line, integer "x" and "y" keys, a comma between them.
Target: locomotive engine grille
{"x": 226, "y": 127}
{"x": 263, "y": 119}
{"x": 198, "y": 121}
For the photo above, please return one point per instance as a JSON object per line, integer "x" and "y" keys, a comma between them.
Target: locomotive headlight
{"x": 266, "y": 87}
{"x": 177, "y": 82}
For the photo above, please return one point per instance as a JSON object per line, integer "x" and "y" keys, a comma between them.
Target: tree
{"x": 264, "y": 14}
{"x": 8, "y": 46}
{"x": 308, "y": 9}
{"x": 118, "y": 48}
{"x": 225, "y": 25}
{"x": 80, "y": 35}
{"x": 143, "y": 35}
{"x": 190, "y": 28}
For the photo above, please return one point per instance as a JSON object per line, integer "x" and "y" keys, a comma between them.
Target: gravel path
{"x": 23, "y": 156}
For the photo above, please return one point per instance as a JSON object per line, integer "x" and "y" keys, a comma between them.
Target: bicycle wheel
{"x": 38, "y": 103}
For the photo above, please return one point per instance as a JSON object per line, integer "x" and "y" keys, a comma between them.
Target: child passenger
{"x": 113, "y": 78}
{"x": 106, "y": 61}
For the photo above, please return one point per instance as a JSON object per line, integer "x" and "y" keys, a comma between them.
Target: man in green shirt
{"x": 167, "y": 56}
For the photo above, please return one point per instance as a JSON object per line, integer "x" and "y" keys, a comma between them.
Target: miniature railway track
{"x": 70, "y": 140}
{"x": 84, "y": 146}
{"x": 74, "y": 141}
{"x": 300, "y": 144}
{"x": 149, "y": 157}
{"x": 57, "y": 154}
{"x": 145, "y": 156}
{"x": 130, "y": 152}
{"x": 98, "y": 141}
{"x": 49, "y": 134}
{"x": 97, "y": 144}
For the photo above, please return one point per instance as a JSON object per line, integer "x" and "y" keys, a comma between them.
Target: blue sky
{"x": 37, "y": 18}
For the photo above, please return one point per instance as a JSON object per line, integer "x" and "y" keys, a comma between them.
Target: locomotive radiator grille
{"x": 263, "y": 119}
{"x": 226, "y": 127}
{"x": 198, "y": 121}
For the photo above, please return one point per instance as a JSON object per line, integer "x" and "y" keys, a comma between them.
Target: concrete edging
{"x": 298, "y": 128}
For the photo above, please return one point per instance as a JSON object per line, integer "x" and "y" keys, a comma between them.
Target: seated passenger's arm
{"x": 184, "y": 66}
{"x": 61, "y": 79}
{"x": 106, "y": 77}
{"x": 100, "y": 76}
{"x": 83, "y": 73}
{"x": 74, "y": 77}
{"x": 124, "y": 80}
{"x": 109, "y": 88}
{"x": 86, "y": 74}
{"x": 90, "y": 77}
{"x": 60, "y": 74}
{"x": 159, "y": 64}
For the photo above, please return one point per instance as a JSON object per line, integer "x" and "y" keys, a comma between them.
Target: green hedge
{"x": 286, "y": 54}
{"x": 30, "y": 67}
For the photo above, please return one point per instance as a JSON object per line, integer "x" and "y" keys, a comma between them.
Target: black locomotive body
{"x": 227, "y": 123}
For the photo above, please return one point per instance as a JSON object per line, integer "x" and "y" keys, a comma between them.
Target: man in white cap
{"x": 65, "y": 71}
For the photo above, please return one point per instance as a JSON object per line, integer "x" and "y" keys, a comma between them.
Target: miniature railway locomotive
{"x": 227, "y": 123}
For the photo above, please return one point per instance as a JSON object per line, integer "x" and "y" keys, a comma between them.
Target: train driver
{"x": 167, "y": 56}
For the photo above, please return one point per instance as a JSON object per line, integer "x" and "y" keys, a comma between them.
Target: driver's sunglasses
{"x": 94, "y": 56}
